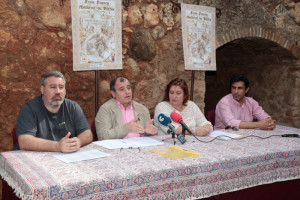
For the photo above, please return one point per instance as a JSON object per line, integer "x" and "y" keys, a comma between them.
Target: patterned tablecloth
{"x": 222, "y": 166}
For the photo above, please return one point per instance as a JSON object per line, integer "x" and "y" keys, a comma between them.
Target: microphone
{"x": 176, "y": 117}
{"x": 290, "y": 135}
{"x": 166, "y": 121}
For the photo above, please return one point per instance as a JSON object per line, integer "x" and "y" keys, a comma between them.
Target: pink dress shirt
{"x": 230, "y": 113}
{"x": 128, "y": 115}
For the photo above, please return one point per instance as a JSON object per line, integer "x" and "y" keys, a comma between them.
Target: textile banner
{"x": 198, "y": 34}
{"x": 97, "y": 34}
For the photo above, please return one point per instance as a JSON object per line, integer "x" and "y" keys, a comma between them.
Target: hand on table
{"x": 68, "y": 144}
{"x": 267, "y": 124}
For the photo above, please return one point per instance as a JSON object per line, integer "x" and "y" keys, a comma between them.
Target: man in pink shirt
{"x": 235, "y": 110}
{"x": 121, "y": 117}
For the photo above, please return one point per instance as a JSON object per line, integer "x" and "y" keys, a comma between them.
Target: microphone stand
{"x": 173, "y": 135}
{"x": 183, "y": 131}
{"x": 180, "y": 137}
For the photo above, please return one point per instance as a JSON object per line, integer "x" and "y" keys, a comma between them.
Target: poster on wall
{"x": 97, "y": 34}
{"x": 198, "y": 34}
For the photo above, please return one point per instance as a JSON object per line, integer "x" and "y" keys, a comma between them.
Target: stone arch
{"x": 256, "y": 31}
{"x": 275, "y": 59}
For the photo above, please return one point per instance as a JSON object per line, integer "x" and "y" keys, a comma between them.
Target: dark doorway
{"x": 269, "y": 68}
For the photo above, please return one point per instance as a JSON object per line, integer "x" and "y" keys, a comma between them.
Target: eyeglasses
{"x": 165, "y": 139}
{"x": 131, "y": 148}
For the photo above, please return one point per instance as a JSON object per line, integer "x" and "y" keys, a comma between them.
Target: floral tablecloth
{"x": 133, "y": 173}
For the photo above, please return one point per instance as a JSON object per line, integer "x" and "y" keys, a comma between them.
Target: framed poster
{"x": 198, "y": 34}
{"x": 97, "y": 34}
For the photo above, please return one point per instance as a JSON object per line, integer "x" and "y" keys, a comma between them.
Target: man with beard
{"x": 121, "y": 117}
{"x": 235, "y": 110}
{"x": 51, "y": 122}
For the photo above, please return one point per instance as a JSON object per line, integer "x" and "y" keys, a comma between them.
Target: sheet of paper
{"x": 127, "y": 143}
{"x": 174, "y": 153}
{"x": 80, "y": 155}
{"x": 224, "y": 135}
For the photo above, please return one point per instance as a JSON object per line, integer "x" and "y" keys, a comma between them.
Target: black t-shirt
{"x": 34, "y": 119}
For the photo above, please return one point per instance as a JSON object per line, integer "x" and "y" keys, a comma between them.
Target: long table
{"x": 222, "y": 167}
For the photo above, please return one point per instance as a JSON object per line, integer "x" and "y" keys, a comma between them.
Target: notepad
{"x": 225, "y": 136}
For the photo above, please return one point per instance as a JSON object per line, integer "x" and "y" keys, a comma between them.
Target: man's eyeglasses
{"x": 131, "y": 148}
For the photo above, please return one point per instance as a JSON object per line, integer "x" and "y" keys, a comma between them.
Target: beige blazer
{"x": 109, "y": 120}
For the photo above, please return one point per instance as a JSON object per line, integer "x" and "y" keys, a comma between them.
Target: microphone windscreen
{"x": 176, "y": 117}
{"x": 163, "y": 119}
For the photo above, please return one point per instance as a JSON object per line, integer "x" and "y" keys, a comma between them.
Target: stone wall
{"x": 261, "y": 40}
{"x": 36, "y": 36}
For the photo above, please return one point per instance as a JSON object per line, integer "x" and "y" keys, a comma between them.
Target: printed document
{"x": 128, "y": 143}
{"x": 224, "y": 135}
{"x": 80, "y": 155}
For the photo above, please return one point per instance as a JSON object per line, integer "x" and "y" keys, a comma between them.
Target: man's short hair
{"x": 114, "y": 80}
{"x": 52, "y": 73}
{"x": 238, "y": 78}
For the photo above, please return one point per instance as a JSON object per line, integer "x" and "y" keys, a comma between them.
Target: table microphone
{"x": 176, "y": 117}
{"x": 166, "y": 121}
{"x": 290, "y": 135}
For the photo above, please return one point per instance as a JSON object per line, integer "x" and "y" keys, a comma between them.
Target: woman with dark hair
{"x": 177, "y": 98}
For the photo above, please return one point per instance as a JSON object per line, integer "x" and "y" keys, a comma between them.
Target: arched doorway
{"x": 269, "y": 68}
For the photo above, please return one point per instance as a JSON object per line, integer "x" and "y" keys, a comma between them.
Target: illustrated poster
{"x": 198, "y": 33}
{"x": 97, "y": 34}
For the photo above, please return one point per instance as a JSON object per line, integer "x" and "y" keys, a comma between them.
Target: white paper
{"x": 80, "y": 155}
{"x": 224, "y": 135}
{"x": 127, "y": 143}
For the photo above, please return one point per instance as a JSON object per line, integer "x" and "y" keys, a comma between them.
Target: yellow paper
{"x": 174, "y": 153}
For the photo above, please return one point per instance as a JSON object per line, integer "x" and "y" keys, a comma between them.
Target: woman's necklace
{"x": 180, "y": 109}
